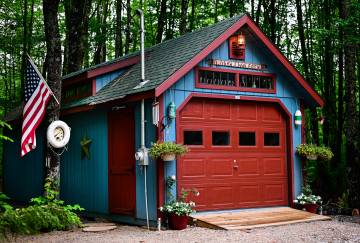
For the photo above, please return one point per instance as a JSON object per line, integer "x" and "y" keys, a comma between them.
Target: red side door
{"x": 122, "y": 180}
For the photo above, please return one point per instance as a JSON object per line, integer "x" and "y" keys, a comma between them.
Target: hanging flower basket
{"x": 166, "y": 150}
{"x": 168, "y": 157}
{"x": 312, "y": 156}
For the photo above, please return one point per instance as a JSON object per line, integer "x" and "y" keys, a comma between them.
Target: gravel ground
{"x": 338, "y": 230}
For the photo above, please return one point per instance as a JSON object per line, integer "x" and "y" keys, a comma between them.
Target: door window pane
{"x": 193, "y": 138}
{"x": 247, "y": 139}
{"x": 271, "y": 139}
{"x": 220, "y": 138}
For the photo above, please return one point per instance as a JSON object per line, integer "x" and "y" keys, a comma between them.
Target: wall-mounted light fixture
{"x": 298, "y": 118}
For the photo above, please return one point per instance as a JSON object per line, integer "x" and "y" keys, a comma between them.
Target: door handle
{"x": 235, "y": 166}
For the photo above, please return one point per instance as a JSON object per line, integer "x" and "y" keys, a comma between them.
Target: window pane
{"x": 193, "y": 138}
{"x": 271, "y": 139}
{"x": 247, "y": 139}
{"x": 216, "y": 78}
{"x": 220, "y": 138}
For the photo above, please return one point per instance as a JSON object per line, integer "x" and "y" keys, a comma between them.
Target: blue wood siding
{"x": 104, "y": 79}
{"x": 150, "y": 136}
{"x": 286, "y": 90}
{"x": 23, "y": 177}
{"x": 86, "y": 181}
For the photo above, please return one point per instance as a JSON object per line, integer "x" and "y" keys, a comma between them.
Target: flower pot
{"x": 177, "y": 222}
{"x": 168, "y": 157}
{"x": 311, "y": 208}
{"x": 312, "y": 156}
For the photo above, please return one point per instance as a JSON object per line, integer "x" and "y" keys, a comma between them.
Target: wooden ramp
{"x": 254, "y": 218}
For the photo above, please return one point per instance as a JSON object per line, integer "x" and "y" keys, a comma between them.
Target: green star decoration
{"x": 85, "y": 147}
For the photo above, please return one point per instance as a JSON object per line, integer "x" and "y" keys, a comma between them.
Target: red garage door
{"x": 237, "y": 155}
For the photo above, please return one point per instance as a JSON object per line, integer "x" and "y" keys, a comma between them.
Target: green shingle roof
{"x": 161, "y": 61}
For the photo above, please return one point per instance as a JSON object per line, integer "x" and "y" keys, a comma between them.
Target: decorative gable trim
{"x": 246, "y": 19}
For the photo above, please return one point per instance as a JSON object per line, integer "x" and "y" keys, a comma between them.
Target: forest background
{"x": 321, "y": 38}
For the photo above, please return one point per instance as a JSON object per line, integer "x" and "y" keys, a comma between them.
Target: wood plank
{"x": 248, "y": 219}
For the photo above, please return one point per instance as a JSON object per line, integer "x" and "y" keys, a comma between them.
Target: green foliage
{"x": 307, "y": 197}
{"x": 343, "y": 201}
{"x": 46, "y": 214}
{"x": 325, "y": 153}
{"x": 2, "y": 126}
{"x": 158, "y": 149}
{"x": 3, "y": 203}
{"x": 306, "y": 149}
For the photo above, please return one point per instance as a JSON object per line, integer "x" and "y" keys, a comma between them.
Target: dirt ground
{"x": 340, "y": 229}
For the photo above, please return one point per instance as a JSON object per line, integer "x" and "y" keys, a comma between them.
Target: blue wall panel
{"x": 150, "y": 136}
{"x": 86, "y": 181}
{"x": 287, "y": 91}
{"x": 104, "y": 79}
{"x": 23, "y": 177}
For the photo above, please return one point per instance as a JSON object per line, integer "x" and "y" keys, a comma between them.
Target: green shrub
{"x": 158, "y": 149}
{"x": 46, "y": 214}
{"x": 3, "y": 203}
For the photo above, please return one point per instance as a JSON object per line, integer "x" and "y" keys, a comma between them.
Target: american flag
{"x": 37, "y": 95}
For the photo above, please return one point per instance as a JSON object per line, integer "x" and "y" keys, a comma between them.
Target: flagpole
{"x": 37, "y": 71}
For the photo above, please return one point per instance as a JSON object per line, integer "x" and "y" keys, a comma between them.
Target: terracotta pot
{"x": 177, "y": 222}
{"x": 168, "y": 157}
{"x": 311, "y": 208}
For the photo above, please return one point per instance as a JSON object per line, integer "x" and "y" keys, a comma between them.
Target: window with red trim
{"x": 236, "y": 47}
{"x": 77, "y": 91}
{"x": 226, "y": 79}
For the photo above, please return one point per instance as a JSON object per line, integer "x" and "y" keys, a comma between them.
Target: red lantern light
{"x": 241, "y": 39}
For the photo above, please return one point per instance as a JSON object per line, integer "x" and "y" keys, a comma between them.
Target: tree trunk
{"x": 328, "y": 77}
{"x": 258, "y": 11}
{"x": 118, "y": 30}
{"x": 161, "y": 21}
{"x": 128, "y": 26}
{"x": 102, "y": 14}
{"x": 76, "y": 21}
{"x": 216, "y": 11}
{"x": 192, "y": 16}
{"x": 24, "y": 47}
{"x": 53, "y": 56}
{"x": 352, "y": 133}
{"x": 171, "y": 21}
{"x": 183, "y": 16}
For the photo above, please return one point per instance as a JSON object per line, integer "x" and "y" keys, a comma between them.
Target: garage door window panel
{"x": 193, "y": 138}
{"x": 247, "y": 139}
{"x": 272, "y": 139}
{"x": 220, "y": 138}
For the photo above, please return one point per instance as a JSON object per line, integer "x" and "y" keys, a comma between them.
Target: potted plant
{"x": 324, "y": 153}
{"x": 178, "y": 210}
{"x": 307, "y": 201}
{"x": 166, "y": 150}
{"x": 308, "y": 151}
